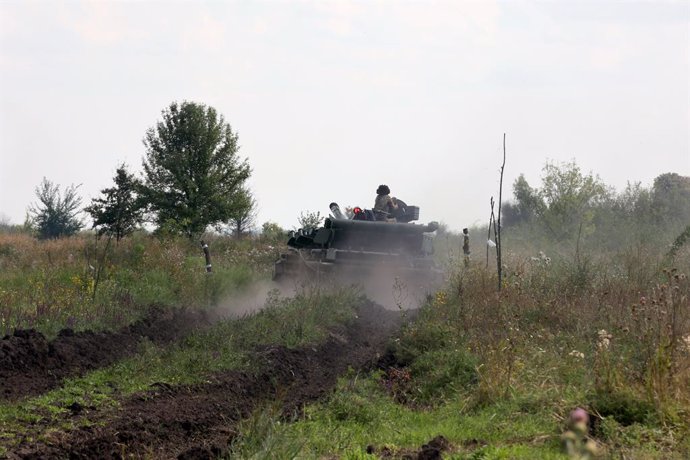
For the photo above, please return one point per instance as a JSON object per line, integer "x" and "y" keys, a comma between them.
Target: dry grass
{"x": 82, "y": 282}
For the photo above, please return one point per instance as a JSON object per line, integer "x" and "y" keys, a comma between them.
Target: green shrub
{"x": 441, "y": 373}
{"x": 623, "y": 406}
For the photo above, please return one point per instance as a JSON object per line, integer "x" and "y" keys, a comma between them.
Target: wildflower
{"x": 575, "y": 440}
{"x": 579, "y": 416}
{"x": 604, "y": 340}
{"x": 577, "y": 354}
{"x": 686, "y": 341}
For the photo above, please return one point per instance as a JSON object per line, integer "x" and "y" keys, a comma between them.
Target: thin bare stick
{"x": 101, "y": 265}
{"x": 500, "y": 202}
{"x": 488, "y": 233}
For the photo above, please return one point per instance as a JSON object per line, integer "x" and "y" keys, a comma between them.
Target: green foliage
{"x": 56, "y": 212}
{"x": 193, "y": 175}
{"x": 49, "y": 284}
{"x": 679, "y": 242}
{"x": 495, "y": 373}
{"x": 440, "y": 374}
{"x": 564, "y": 203}
{"x": 623, "y": 406}
{"x": 263, "y": 436}
{"x": 578, "y": 210}
{"x": 528, "y": 203}
{"x": 242, "y": 222}
{"x": 120, "y": 209}
{"x": 671, "y": 198}
{"x": 360, "y": 414}
{"x": 309, "y": 219}
{"x": 273, "y": 232}
{"x": 6, "y": 227}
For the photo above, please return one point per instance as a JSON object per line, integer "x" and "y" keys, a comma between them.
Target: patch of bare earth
{"x": 200, "y": 421}
{"x": 432, "y": 450}
{"x": 31, "y": 365}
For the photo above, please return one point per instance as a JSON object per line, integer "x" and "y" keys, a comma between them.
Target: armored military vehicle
{"x": 357, "y": 246}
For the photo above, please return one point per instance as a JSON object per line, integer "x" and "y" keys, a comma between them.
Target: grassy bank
{"x": 498, "y": 374}
{"x": 82, "y": 282}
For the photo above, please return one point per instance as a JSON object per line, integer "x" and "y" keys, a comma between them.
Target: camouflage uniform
{"x": 383, "y": 206}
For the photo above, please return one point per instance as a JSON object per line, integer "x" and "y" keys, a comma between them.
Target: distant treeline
{"x": 570, "y": 206}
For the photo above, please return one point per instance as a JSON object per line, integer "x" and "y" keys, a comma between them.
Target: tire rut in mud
{"x": 200, "y": 421}
{"x": 31, "y": 365}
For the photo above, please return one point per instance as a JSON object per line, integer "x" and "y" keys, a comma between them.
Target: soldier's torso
{"x": 382, "y": 203}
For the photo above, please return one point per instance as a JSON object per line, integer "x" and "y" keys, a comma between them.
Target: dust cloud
{"x": 251, "y": 299}
{"x": 385, "y": 286}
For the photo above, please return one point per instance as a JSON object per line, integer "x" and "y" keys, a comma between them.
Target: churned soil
{"x": 31, "y": 365}
{"x": 200, "y": 421}
{"x": 432, "y": 450}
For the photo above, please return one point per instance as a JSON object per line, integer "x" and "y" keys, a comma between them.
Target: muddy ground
{"x": 31, "y": 365}
{"x": 200, "y": 421}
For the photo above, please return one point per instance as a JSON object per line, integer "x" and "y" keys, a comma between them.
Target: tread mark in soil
{"x": 31, "y": 365}
{"x": 199, "y": 421}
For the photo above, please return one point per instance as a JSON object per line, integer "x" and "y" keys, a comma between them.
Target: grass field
{"x": 495, "y": 373}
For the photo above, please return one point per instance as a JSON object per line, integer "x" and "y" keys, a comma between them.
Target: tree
{"x": 244, "y": 219}
{"x": 193, "y": 176}
{"x": 570, "y": 198}
{"x": 528, "y": 204}
{"x": 120, "y": 210}
{"x": 671, "y": 198}
{"x": 272, "y": 231}
{"x": 309, "y": 219}
{"x": 56, "y": 213}
{"x": 566, "y": 201}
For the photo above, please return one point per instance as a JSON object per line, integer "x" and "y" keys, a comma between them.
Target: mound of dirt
{"x": 199, "y": 421}
{"x": 432, "y": 450}
{"x": 30, "y": 364}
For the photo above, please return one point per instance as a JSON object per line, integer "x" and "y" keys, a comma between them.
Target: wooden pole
{"x": 207, "y": 255}
{"x": 466, "y": 246}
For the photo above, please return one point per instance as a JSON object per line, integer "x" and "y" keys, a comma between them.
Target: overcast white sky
{"x": 331, "y": 99}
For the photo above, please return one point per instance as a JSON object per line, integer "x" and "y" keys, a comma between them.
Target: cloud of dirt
{"x": 393, "y": 288}
{"x": 251, "y": 299}
{"x": 390, "y": 287}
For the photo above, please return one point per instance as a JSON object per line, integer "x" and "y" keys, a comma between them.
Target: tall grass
{"x": 82, "y": 282}
{"x": 498, "y": 373}
{"x": 609, "y": 332}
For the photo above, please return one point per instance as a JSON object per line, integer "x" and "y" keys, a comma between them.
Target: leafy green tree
{"x": 272, "y": 231}
{"x": 56, "y": 213}
{"x": 633, "y": 206}
{"x": 528, "y": 204}
{"x": 119, "y": 211}
{"x": 671, "y": 198}
{"x": 570, "y": 198}
{"x": 193, "y": 176}
{"x": 310, "y": 219}
{"x": 565, "y": 203}
{"x": 244, "y": 219}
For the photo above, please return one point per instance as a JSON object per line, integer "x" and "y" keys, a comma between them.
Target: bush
{"x": 441, "y": 373}
{"x": 622, "y": 406}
